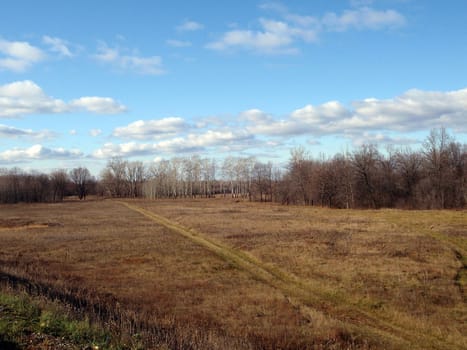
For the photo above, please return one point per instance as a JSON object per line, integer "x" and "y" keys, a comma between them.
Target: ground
{"x": 223, "y": 273}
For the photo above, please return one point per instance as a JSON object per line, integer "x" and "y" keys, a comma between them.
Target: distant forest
{"x": 434, "y": 177}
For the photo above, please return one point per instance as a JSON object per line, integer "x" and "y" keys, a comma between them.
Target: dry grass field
{"x": 219, "y": 273}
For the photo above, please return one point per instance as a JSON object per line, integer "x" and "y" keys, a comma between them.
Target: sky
{"x": 84, "y": 81}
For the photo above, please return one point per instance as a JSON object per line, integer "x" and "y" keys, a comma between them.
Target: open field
{"x": 218, "y": 273}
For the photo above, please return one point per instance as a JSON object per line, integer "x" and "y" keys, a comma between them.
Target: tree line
{"x": 17, "y": 185}
{"x": 433, "y": 177}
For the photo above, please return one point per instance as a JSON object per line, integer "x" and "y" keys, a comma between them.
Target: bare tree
{"x": 436, "y": 156}
{"x": 301, "y": 169}
{"x": 409, "y": 170}
{"x": 135, "y": 176}
{"x": 262, "y": 181}
{"x": 114, "y": 177}
{"x": 81, "y": 178}
{"x": 208, "y": 171}
{"x": 59, "y": 179}
{"x": 365, "y": 162}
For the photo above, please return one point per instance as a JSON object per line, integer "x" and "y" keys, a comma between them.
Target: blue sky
{"x": 84, "y": 81}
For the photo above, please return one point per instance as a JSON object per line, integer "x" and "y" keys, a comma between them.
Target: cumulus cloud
{"x": 99, "y": 105}
{"x": 57, "y": 45}
{"x": 309, "y": 119}
{"x": 147, "y": 129}
{"x": 38, "y": 152}
{"x": 190, "y": 143}
{"x": 383, "y": 121}
{"x": 190, "y": 26}
{"x": 18, "y": 56}
{"x": 414, "y": 110}
{"x": 379, "y": 138}
{"x": 282, "y": 36}
{"x": 274, "y": 37}
{"x": 150, "y": 65}
{"x": 26, "y": 97}
{"x": 256, "y": 116}
{"x": 12, "y": 132}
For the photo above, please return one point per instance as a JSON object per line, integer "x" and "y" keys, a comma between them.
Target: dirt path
{"x": 304, "y": 295}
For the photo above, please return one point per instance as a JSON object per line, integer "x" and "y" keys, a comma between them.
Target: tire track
{"x": 303, "y": 294}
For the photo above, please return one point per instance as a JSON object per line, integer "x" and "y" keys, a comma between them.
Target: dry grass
{"x": 280, "y": 277}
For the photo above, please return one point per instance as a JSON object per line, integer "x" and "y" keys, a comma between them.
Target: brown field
{"x": 219, "y": 273}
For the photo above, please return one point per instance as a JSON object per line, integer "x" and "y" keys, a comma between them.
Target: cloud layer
{"x": 273, "y": 37}
{"x": 282, "y": 36}
{"x": 412, "y": 111}
{"x": 12, "y": 132}
{"x": 191, "y": 143}
{"x": 147, "y": 129}
{"x": 190, "y": 26}
{"x": 37, "y": 152}
{"x": 149, "y": 65}
{"x": 57, "y": 45}
{"x": 26, "y": 97}
{"x": 371, "y": 120}
{"x": 18, "y": 56}
{"x": 367, "y": 121}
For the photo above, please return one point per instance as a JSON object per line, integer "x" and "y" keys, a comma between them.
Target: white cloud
{"x": 309, "y": 119}
{"x": 415, "y": 110}
{"x": 150, "y": 65}
{"x": 301, "y": 20}
{"x": 147, "y": 129}
{"x": 273, "y": 6}
{"x": 255, "y": 116}
{"x": 57, "y": 45}
{"x": 178, "y": 43}
{"x": 363, "y": 18}
{"x": 99, "y": 105}
{"x": 73, "y": 132}
{"x": 18, "y": 56}
{"x": 283, "y": 36}
{"x": 222, "y": 140}
{"x": 190, "y": 26}
{"x": 324, "y": 113}
{"x": 275, "y": 37}
{"x": 12, "y": 132}
{"x": 379, "y": 138}
{"x": 95, "y": 132}
{"x": 26, "y": 97}
{"x": 38, "y": 152}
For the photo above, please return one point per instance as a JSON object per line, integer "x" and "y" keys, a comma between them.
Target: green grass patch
{"x": 25, "y": 321}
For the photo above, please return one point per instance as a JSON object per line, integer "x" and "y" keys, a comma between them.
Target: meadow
{"x": 221, "y": 273}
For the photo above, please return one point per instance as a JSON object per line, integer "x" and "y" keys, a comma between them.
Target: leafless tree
{"x": 262, "y": 182}
{"x": 365, "y": 162}
{"x": 81, "y": 177}
{"x": 302, "y": 173}
{"x": 135, "y": 176}
{"x": 436, "y": 152}
{"x": 409, "y": 170}
{"x": 59, "y": 179}
{"x": 114, "y": 177}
